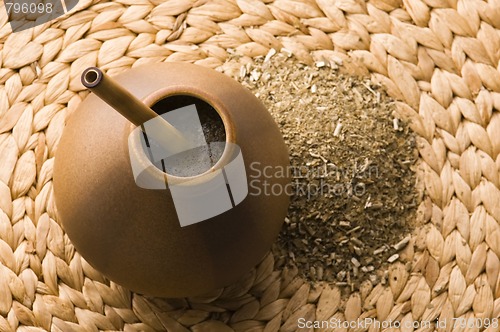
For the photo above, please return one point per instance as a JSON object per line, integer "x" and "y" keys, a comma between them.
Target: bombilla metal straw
{"x": 134, "y": 110}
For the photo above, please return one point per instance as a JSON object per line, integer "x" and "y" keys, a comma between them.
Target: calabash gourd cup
{"x": 132, "y": 234}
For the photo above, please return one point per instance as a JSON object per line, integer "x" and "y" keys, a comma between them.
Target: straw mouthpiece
{"x": 91, "y": 77}
{"x": 133, "y": 109}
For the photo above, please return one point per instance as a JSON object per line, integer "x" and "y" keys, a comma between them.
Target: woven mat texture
{"x": 438, "y": 58}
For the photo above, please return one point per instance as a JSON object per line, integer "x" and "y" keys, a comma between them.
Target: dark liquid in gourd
{"x": 198, "y": 160}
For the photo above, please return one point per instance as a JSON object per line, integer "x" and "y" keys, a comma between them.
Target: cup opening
{"x": 202, "y": 158}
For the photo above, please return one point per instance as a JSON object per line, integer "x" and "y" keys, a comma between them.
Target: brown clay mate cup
{"x": 133, "y": 235}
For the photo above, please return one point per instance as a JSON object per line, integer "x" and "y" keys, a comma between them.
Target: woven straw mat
{"x": 438, "y": 58}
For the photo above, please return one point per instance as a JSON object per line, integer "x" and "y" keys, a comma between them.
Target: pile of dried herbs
{"x": 352, "y": 166}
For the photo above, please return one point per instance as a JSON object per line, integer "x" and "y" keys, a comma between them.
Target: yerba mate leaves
{"x": 347, "y": 151}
